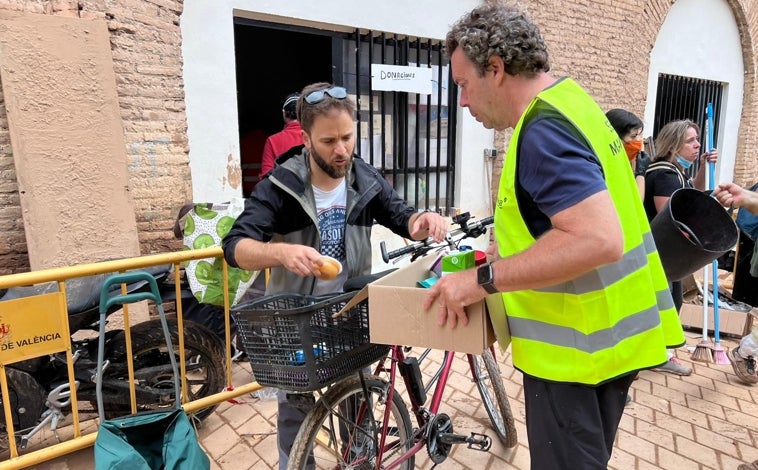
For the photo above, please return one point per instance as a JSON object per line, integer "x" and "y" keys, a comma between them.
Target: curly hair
{"x": 306, "y": 113}
{"x": 494, "y": 29}
{"x": 671, "y": 137}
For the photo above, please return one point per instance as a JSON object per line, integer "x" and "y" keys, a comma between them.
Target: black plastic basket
{"x": 293, "y": 342}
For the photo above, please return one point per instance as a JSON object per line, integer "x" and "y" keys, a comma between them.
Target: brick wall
{"x": 605, "y": 45}
{"x": 146, "y": 47}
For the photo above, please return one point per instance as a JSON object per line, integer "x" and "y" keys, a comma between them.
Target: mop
{"x": 704, "y": 351}
{"x": 719, "y": 353}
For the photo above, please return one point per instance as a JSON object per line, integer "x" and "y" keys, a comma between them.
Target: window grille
{"x": 686, "y": 98}
{"x": 411, "y": 136}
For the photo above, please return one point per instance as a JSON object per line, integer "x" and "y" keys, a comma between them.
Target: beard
{"x": 333, "y": 171}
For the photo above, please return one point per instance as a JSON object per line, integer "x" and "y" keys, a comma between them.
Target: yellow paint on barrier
{"x": 32, "y": 327}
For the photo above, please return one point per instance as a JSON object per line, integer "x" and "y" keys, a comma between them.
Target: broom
{"x": 704, "y": 350}
{"x": 719, "y": 353}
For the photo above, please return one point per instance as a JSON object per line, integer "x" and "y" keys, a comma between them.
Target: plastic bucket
{"x": 692, "y": 230}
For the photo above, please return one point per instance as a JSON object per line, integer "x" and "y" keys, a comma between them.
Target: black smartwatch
{"x": 485, "y": 278}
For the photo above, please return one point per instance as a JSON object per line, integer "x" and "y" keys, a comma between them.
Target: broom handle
{"x": 708, "y": 185}
{"x": 705, "y": 303}
{"x": 711, "y": 176}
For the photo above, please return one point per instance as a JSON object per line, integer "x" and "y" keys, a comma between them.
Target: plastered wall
{"x": 604, "y": 44}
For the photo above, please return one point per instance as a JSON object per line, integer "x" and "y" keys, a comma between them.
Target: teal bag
{"x": 151, "y": 440}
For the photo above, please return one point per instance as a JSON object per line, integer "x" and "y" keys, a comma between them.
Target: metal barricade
{"x": 56, "y": 302}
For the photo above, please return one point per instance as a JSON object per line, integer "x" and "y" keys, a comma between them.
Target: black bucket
{"x": 692, "y": 230}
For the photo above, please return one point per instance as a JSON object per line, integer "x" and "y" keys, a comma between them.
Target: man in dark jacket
{"x": 320, "y": 200}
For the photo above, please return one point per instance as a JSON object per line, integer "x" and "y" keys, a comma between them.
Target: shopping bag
{"x": 206, "y": 225}
{"x": 149, "y": 441}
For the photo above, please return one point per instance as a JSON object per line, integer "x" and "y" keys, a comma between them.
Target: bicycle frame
{"x": 360, "y": 434}
{"x": 423, "y": 415}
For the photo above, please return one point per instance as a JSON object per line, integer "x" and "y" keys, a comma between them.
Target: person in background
{"x": 290, "y": 136}
{"x": 588, "y": 304}
{"x": 732, "y": 195}
{"x": 629, "y": 128}
{"x": 321, "y": 199}
{"x": 743, "y": 356}
{"x": 677, "y": 146}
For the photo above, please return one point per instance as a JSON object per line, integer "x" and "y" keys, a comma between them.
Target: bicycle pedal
{"x": 480, "y": 442}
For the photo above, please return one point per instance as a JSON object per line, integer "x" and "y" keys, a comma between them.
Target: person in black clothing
{"x": 629, "y": 127}
{"x": 677, "y": 146}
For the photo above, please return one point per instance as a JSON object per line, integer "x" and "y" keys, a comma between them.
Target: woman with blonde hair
{"x": 677, "y": 147}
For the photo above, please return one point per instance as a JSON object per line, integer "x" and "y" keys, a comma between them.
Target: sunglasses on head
{"x": 317, "y": 96}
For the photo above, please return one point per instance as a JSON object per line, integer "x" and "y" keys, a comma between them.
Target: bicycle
{"x": 361, "y": 420}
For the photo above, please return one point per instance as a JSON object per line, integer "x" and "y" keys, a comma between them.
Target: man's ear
{"x": 496, "y": 65}
{"x": 306, "y": 139}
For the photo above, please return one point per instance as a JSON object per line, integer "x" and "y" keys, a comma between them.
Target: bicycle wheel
{"x": 495, "y": 400}
{"x": 344, "y": 429}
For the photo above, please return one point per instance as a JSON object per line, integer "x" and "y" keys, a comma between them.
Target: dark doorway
{"x": 272, "y": 61}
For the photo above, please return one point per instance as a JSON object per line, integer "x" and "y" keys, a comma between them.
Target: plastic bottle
{"x": 266, "y": 393}
{"x": 749, "y": 344}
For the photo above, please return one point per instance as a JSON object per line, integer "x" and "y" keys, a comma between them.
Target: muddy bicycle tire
{"x": 494, "y": 398}
{"x": 324, "y": 421}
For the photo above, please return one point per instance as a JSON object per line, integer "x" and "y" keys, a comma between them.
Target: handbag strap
{"x": 179, "y": 222}
{"x": 666, "y": 166}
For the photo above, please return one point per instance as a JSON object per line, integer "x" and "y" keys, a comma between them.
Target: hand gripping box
{"x": 396, "y": 315}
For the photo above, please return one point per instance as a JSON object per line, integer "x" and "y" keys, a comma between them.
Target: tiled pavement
{"x": 705, "y": 421}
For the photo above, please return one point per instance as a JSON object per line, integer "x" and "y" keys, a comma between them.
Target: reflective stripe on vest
{"x": 613, "y": 320}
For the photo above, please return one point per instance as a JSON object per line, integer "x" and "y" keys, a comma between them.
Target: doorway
{"x": 272, "y": 61}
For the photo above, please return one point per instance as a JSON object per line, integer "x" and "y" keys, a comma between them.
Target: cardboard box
{"x": 731, "y": 322}
{"x": 396, "y": 315}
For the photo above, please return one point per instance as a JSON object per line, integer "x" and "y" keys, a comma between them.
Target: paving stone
{"x": 622, "y": 460}
{"x": 703, "y": 454}
{"x": 635, "y": 445}
{"x": 670, "y": 461}
{"x": 675, "y": 425}
{"x": 220, "y": 441}
{"x": 705, "y": 421}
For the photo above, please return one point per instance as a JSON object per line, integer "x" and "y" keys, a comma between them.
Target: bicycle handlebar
{"x": 468, "y": 229}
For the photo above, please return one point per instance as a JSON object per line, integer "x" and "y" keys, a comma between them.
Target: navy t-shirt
{"x": 556, "y": 170}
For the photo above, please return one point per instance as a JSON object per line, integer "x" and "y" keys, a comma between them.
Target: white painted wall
{"x": 699, "y": 38}
{"x": 209, "y": 70}
{"x": 210, "y": 86}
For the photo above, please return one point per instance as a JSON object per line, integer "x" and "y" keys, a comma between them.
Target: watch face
{"x": 484, "y": 274}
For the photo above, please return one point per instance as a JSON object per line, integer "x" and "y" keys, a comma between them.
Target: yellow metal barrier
{"x": 60, "y": 275}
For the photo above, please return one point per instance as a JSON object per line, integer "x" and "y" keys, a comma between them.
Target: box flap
{"x": 499, "y": 320}
{"x": 357, "y": 298}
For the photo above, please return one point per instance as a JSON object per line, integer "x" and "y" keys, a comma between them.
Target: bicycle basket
{"x": 293, "y": 342}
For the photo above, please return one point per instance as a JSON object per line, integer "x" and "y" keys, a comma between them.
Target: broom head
{"x": 703, "y": 352}
{"x": 719, "y": 355}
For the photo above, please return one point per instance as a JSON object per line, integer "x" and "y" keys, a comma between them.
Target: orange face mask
{"x": 633, "y": 148}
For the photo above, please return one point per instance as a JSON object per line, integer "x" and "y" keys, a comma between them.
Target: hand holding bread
{"x": 329, "y": 268}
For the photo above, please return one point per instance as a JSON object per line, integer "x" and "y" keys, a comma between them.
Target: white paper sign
{"x": 401, "y": 78}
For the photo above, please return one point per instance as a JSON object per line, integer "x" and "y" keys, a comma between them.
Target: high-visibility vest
{"x": 613, "y": 320}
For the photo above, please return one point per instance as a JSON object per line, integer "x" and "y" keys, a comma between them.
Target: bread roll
{"x": 329, "y": 268}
